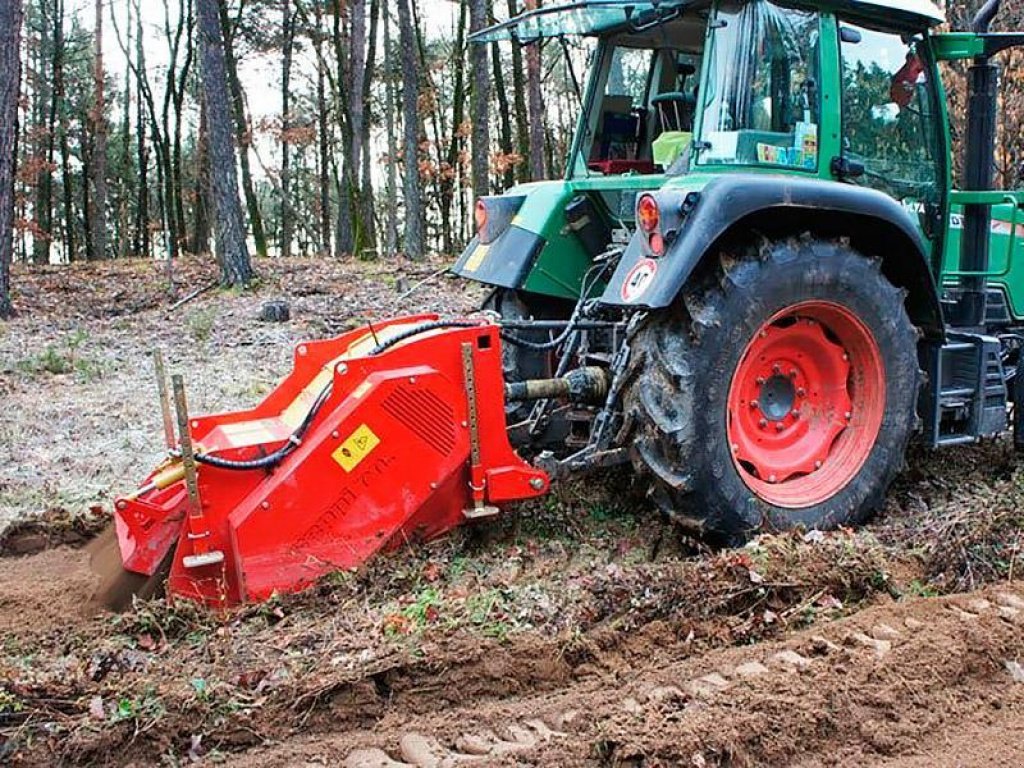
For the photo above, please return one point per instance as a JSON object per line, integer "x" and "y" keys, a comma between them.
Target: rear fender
{"x": 696, "y": 223}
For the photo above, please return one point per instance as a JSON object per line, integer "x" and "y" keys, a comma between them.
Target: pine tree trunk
{"x": 142, "y": 235}
{"x": 10, "y": 89}
{"x": 366, "y": 184}
{"x": 413, "y": 245}
{"x": 98, "y": 221}
{"x": 391, "y": 222}
{"x": 60, "y": 53}
{"x": 45, "y": 103}
{"x": 505, "y": 124}
{"x": 229, "y": 225}
{"x": 533, "y": 76}
{"x": 243, "y": 133}
{"x": 481, "y": 102}
{"x": 324, "y": 137}
{"x": 344, "y": 227}
{"x": 127, "y": 175}
{"x": 447, "y": 196}
{"x": 288, "y": 34}
{"x": 519, "y": 95}
{"x": 201, "y": 233}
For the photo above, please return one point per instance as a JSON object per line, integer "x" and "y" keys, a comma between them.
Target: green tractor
{"x": 755, "y": 281}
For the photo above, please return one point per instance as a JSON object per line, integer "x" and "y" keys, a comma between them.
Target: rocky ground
{"x": 581, "y": 630}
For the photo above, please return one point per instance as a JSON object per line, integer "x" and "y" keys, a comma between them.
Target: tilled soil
{"x": 926, "y": 682}
{"x": 579, "y": 630}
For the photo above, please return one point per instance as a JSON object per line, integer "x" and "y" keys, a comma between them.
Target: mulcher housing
{"x": 755, "y": 283}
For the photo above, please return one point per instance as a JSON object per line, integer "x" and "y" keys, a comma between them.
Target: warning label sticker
{"x": 356, "y": 447}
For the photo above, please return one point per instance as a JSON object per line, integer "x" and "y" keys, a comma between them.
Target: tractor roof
{"x": 602, "y": 17}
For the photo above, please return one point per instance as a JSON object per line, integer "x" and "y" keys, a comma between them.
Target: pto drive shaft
{"x": 582, "y": 385}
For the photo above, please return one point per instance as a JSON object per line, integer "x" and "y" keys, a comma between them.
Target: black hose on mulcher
{"x": 271, "y": 460}
{"x": 417, "y": 330}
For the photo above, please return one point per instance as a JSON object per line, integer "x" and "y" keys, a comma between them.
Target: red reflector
{"x": 648, "y": 213}
{"x": 480, "y": 214}
{"x": 657, "y": 243}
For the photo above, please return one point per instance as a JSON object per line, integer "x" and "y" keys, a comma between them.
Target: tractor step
{"x": 480, "y": 513}
{"x": 202, "y": 561}
{"x": 971, "y": 399}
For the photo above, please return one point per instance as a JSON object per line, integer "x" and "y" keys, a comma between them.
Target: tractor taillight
{"x": 480, "y": 215}
{"x": 657, "y": 243}
{"x": 647, "y": 213}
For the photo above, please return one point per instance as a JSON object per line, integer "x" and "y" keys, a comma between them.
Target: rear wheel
{"x": 779, "y": 393}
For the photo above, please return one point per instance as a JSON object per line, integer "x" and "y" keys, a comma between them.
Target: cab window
{"x": 888, "y": 114}
{"x": 762, "y": 99}
{"x": 641, "y": 121}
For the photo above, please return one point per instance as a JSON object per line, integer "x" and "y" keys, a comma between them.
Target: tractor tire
{"x": 779, "y": 392}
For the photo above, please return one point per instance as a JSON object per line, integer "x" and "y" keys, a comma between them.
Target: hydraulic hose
{"x": 271, "y": 459}
{"x": 417, "y": 330}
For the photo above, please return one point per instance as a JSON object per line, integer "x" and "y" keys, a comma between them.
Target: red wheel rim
{"x": 806, "y": 404}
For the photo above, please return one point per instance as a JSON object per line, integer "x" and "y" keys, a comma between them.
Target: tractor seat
{"x": 675, "y": 110}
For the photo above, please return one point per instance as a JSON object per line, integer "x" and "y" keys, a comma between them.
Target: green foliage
{"x": 10, "y": 704}
{"x": 63, "y": 359}
{"x": 201, "y": 322}
{"x": 148, "y": 706}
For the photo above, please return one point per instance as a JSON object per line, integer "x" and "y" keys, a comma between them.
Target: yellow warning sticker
{"x": 356, "y": 447}
{"x": 476, "y": 258}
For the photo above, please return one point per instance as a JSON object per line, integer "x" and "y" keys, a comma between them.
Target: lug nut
{"x": 792, "y": 374}
{"x": 817, "y": 465}
{"x": 801, "y": 392}
{"x": 771, "y": 478}
{"x": 759, "y": 380}
{"x": 779, "y": 426}
{"x": 776, "y": 368}
{"x": 795, "y": 413}
{"x": 754, "y": 404}
{"x": 848, "y": 415}
{"x": 762, "y": 423}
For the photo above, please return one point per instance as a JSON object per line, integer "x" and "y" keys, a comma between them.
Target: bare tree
{"x": 98, "y": 217}
{"x": 288, "y": 46}
{"x": 243, "y": 128}
{"x": 478, "y": 13}
{"x": 519, "y": 95}
{"x": 533, "y": 74}
{"x": 323, "y": 136}
{"x": 229, "y": 226}
{"x": 391, "y": 222}
{"x": 10, "y": 87}
{"x": 410, "y": 111}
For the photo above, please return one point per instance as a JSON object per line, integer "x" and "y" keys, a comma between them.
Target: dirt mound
{"x": 45, "y": 592}
{"x": 55, "y": 528}
{"x": 882, "y": 687}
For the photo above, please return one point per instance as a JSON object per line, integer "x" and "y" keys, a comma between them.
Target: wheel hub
{"x": 805, "y": 404}
{"x": 777, "y": 398}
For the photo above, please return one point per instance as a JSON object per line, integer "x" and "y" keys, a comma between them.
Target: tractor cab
{"x": 639, "y": 118}
{"x": 635, "y": 128}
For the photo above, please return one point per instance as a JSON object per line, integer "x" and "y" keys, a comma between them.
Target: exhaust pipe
{"x": 979, "y": 150}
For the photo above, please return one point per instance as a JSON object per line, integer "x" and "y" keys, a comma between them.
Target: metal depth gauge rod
{"x": 198, "y": 531}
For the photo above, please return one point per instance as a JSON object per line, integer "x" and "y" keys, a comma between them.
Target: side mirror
{"x": 850, "y": 35}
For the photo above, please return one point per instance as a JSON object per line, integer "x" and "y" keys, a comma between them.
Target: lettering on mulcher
{"x": 326, "y": 521}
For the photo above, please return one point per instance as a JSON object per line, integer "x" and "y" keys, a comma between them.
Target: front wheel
{"x": 780, "y": 393}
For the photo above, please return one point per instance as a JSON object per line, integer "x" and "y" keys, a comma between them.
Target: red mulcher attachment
{"x": 388, "y": 435}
